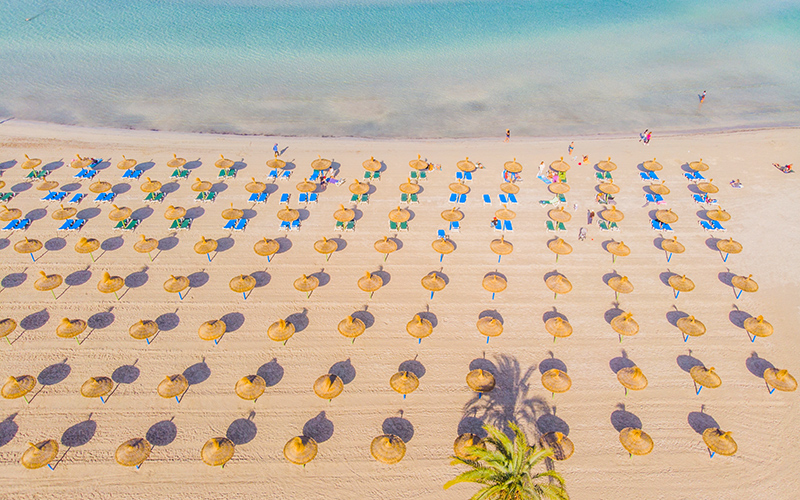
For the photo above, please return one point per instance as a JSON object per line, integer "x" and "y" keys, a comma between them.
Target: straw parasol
{"x": 97, "y": 387}
{"x": 133, "y": 452}
{"x": 266, "y": 248}
{"x": 698, "y": 166}
{"x": 758, "y": 327}
{"x": 780, "y": 379}
{"x": 388, "y": 449}
{"x": 494, "y": 283}
{"x": 505, "y": 214}
{"x": 255, "y": 186}
{"x": 344, "y": 214}
{"x": 419, "y": 327}
{"x": 459, "y": 188}
{"x": 718, "y": 215}
{"x": 558, "y": 283}
{"x": 666, "y": 216}
{"x": 744, "y": 284}
{"x": 480, "y": 380}
{"x": 707, "y": 187}
{"x": 200, "y": 186}
{"x": 358, "y": 187}
{"x": 512, "y": 166}
{"x": 351, "y": 327}
{"x": 418, "y": 164}
{"x": 661, "y": 189}
{"x": 300, "y": 450}
{"x": 223, "y": 162}
{"x": 306, "y": 284}
{"x": 176, "y": 284}
{"x": 212, "y": 330}
{"x": 559, "y": 247}
{"x": 150, "y": 186}
{"x": 126, "y": 163}
{"x": 280, "y": 331}
{"x": 489, "y": 326}
{"x": 618, "y": 249}
{"x": 558, "y": 187}
{"x": 47, "y": 185}
{"x": 146, "y": 245}
{"x": 636, "y": 441}
{"x": 80, "y": 162}
{"x": 404, "y": 382}
{"x": 371, "y": 165}
{"x": 691, "y": 326}
{"x": 10, "y": 213}
{"x": 680, "y": 284}
{"x": 558, "y": 327}
{"x": 64, "y": 213}
{"x": 385, "y": 246}
{"x": 612, "y": 214}
{"x": 7, "y": 325}
{"x": 250, "y": 387}
{"x": 242, "y": 284}
{"x": 176, "y": 162}
{"x": 560, "y": 165}
{"x": 464, "y": 442}
{"x": 276, "y": 163}
{"x": 18, "y": 387}
{"x": 306, "y": 186}
{"x": 433, "y": 283}
{"x": 443, "y": 246}
{"x": 328, "y": 386}
{"x": 559, "y": 215}
{"x": 70, "y": 328}
{"x": 172, "y": 386}
{"x": 719, "y": 442}
{"x": 672, "y": 246}
{"x": 218, "y": 450}
{"x": 28, "y": 246}
{"x": 399, "y": 215}
{"x": 232, "y": 213}
{"x": 705, "y": 377}
{"x": 608, "y": 187}
{"x": 607, "y": 165}
{"x": 501, "y": 247}
{"x": 561, "y": 445}
{"x": 118, "y": 214}
{"x": 110, "y": 284}
{"x": 39, "y": 454}
{"x": 632, "y": 378}
{"x": 326, "y": 247}
{"x": 31, "y": 163}
{"x": 620, "y": 284}
{"x": 466, "y": 165}
{"x": 409, "y": 187}
{"x": 370, "y": 283}
{"x": 624, "y": 324}
{"x": 143, "y": 329}
{"x": 288, "y": 214}
{"x": 652, "y": 165}
{"x": 205, "y": 247}
{"x": 729, "y": 246}
{"x": 321, "y": 163}
{"x": 554, "y": 380}
{"x": 452, "y": 215}
{"x": 48, "y": 282}
{"x": 174, "y": 213}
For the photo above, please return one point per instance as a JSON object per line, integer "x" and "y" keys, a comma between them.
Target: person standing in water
{"x": 702, "y": 98}
{"x": 508, "y": 134}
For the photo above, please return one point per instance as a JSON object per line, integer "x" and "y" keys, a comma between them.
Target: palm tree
{"x": 506, "y": 469}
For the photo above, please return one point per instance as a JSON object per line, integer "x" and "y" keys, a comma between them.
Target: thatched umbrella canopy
{"x": 505, "y": 214}
{"x": 63, "y": 213}
{"x": 176, "y": 284}
{"x": 232, "y": 213}
{"x": 242, "y": 284}
{"x": 443, "y": 246}
{"x": 418, "y": 164}
{"x": 385, "y": 246}
{"x": 463, "y": 444}
{"x": 276, "y": 163}
{"x": 255, "y": 186}
{"x": 558, "y": 283}
{"x": 555, "y": 380}
{"x": 97, "y": 387}
{"x": 558, "y": 327}
{"x": 729, "y": 246}
{"x": 200, "y": 186}
{"x": 110, "y": 284}
{"x": 118, "y": 214}
{"x": 404, "y": 382}
{"x": 143, "y": 329}
{"x": 266, "y": 247}
{"x": 172, "y": 386}
{"x": 509, "y": 188}
{"x": 559, "y": 247}
{"x": 758, "y": 327}
{"x": 624, "y": 324}
{"x": 466, "y": 165}
{"x": 306, "y": 186}
{"x": 145, "y": 245}
{"x": 560, "y": 165}
{"x": 667, "y": 216}
{"x": 48, "y": 282}
{"x": 618, "y": 249}
{"x": 87, "y": 245}
{"x": 494, "y": 283}
{"x": 558, "y": 188}
{"x": 501, "y": 246}
{"x": 419, "y": 327}
{"x": 632, "y": 378}
{"x": 218, "y": 450}
{"x": 652, "y": 165}
{"x": 28, "y": 246}
{"x": 328, "y": 386}
{"x": 780, "y": 379}
{"x": 281, "y": 330}
{"x": 399, "y": 215}
{"x": 636, "y": 441}
{"x": 707, "y": 187}
{"x": 306, "y": 284}
{"x": 559, "y": 215}
{"x": 47, "y": 185}
{"x": 133, "y": 452}
{"x": 250, "y": 387}
{"x": 370, "y": 282}
{"x": 18, "y": 387}
{"x": 607, "y": 165}
{"x": 691, "y": 326}
{"x": 7, "y": 325}
{"x": 718, "y": 215}
{"x": 212, "y": 330}
{"x": 562, "y": 446}
{"x": 40, "y": 454}
{"x": 480, "y": 380}
{"x": 720, "y": 442}
{"x": 512, "y": 166}
{"x": 672, "y": 246}
{"x": 660, "y": 189}
{"x": 680, "y": 284}
{"x": 326, "y": 246}
{"x": 698, "y": 166}
{"x": 458, "y": 187}
{"x": 31, "y": 163}
{"x": 205, "y": 246}
{"x": 620, "y": 284}
{"x": 433, "y": 283}
{"x": 489, "y": 326}
{"x": 223, "y": 162}
{"x": 612, "y": 214}
{"x": 452, "y": 215}
{"x": 78, "y": 163}
{"x": 174, "y": 213}
{"x": 70, "y": 328}
{"x": 608, "y": 187}
{"x": 126, "y": 163}
{"x": 150, "y": 186}
{"x": 371, "y": 165}
{"x": 321, "y": 163}
{"x": 8, "y": 214}
{"x": 358, "y": 187}
{"x": 301, "y": 449}
{"x": 176, "y": 162}
{"x": 351, "y": 327}
{"x": 745, "y": 284}
{"x": 388, "y": 449}
{"x": 705, "y": 377}
{"x": 409, "y": 187}
{"x": 344, "y": 214}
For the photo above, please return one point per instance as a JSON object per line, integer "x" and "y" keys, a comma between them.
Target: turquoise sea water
{"x": 402, "y": 68}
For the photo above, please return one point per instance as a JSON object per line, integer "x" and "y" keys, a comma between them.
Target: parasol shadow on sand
{"x": 162, "y": 433}
{"x": 757, "y": 366}
{"x": 549, "y": 422}
{"x": 319, "y": 428}
{"x": 620, "y": 362}
{"x": 471, "y": 425}
{"x": 365, "y": 316}
{"x": 195, "y": 374}
{"x": 344, "y": 370}
{"x": 8, "y": 429}
{"x": 613, "y": 313}
{"x": 299, "y": 320}
{"x": 242, "y": 430}
{"x": 699, "y": 421}
{"x": 674, "y": 315}
{"x": 412, "y": 366}
{"x": 400, "y": 427}
{"x": 77, "y": 435}
{"x": 271, "y": 372}
{"x": 552, "y": 363}
{"x": 622, "y": 419}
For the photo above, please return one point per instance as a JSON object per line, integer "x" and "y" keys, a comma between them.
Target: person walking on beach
{"x": 647, "y": 137}
{"x": 508, "y": 134}
{"x": 571, "y": 147}
{"x": 702, "y": 98}
{"x": 590, "y": 217}
{"x": 275, "y": 148}
{"x": 643, "y": 135}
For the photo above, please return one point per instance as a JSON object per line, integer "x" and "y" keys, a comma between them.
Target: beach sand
{"x": 763, "y": 425}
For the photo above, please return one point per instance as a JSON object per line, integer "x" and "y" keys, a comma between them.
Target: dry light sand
{"x": 765, "y": 426}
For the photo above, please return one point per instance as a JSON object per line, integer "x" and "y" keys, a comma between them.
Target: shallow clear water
{"x": 382, "y": 68}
